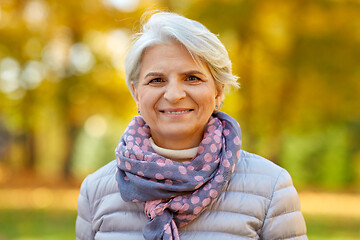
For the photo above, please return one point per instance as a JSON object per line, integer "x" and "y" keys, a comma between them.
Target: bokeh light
{"x": 64, "y": 103}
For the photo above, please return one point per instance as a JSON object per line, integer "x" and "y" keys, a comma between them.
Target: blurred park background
{"x": 64, "y": 103}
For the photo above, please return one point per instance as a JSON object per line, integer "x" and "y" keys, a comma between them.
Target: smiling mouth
{"x": 176, "y": 112}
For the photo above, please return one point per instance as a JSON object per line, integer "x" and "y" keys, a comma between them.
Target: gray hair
{"x": 163, "y": 27}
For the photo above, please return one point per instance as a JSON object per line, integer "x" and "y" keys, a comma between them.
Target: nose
{"x": 174, "y": 91}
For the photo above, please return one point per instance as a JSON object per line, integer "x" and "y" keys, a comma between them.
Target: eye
{"x": 193, "y": 78}
{"x": 156, "y": 80}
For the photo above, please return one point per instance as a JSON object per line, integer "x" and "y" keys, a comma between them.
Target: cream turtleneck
{"x": 176, "y": 155}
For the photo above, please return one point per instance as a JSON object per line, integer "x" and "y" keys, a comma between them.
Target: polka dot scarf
{"x": 175, "y": 193}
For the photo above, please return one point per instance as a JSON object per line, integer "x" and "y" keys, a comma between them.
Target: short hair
{"x": 163, "y": 27}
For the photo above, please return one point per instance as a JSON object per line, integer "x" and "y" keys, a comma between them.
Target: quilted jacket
{"x": 260, "y": 202}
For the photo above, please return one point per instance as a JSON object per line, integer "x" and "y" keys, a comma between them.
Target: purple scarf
{"x": 176, "y": 193}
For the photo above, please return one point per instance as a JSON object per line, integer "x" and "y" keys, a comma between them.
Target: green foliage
{"x": 64, "y": 103}
{"x": 318, "y": 158}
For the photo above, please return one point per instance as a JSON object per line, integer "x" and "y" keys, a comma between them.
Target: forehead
{"x": 171, "y": 55}
{"x": 169, "y": 49}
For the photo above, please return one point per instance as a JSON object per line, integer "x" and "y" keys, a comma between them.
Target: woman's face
{"x": 175, "y": 95}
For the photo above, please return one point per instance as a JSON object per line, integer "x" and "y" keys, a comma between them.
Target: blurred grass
{"x": 30, "y": 224}
{"x": 332, "y": 227}
{"x": 60, "y": 224}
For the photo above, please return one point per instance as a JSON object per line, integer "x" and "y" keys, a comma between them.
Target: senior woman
{"x": 179, "y": 172}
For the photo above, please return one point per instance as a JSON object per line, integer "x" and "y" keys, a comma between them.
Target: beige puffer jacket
{"x": 260, "y": 202}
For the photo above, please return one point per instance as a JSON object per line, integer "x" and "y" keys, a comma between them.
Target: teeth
{"x": 177, "y": 112}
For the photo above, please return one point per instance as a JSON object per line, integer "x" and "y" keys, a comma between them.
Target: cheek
{"x": 208, "y": 98}
{"x": 147, "y": 99}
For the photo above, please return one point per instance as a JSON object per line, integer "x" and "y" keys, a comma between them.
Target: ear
{"x": 219, "y": 94}
{"x": 135, "y": 92}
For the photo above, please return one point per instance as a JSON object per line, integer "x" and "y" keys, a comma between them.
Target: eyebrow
{"x": 193, "y": 72}
{"x": 153, "y": 74}
{"x": 157, "y": 74}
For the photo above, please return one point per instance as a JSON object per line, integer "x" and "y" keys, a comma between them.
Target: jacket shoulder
{"x": 102, "y": 182}
{"x": 106, "y": 170}
{"x": 251, "y": 163}
{"x": 282, "y": 219}
{"x": 102, "y": 209}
